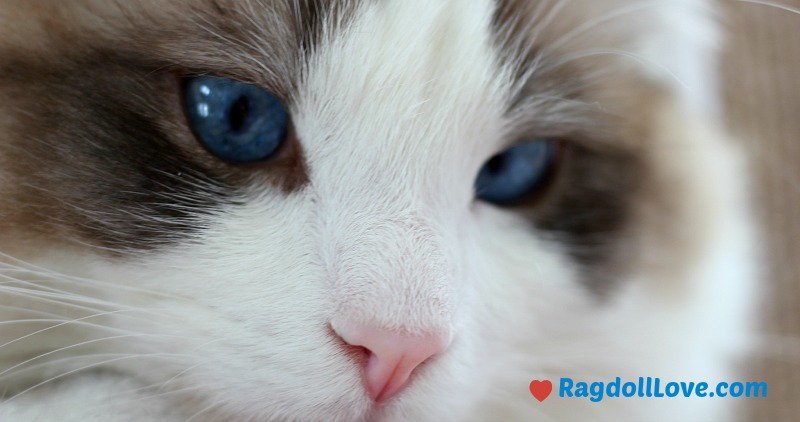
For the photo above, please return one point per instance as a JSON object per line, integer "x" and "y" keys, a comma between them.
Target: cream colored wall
{"x": 763, "y": 97}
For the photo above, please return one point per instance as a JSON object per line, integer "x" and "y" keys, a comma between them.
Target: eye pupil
{"x": 238, "y": 113}
{"x": 496, "y": 164}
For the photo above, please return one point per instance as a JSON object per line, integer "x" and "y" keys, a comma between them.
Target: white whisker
{"x": 772, "y": 4}
{"x": 83, "y": 368}
{"x": 622, "y": 53}
{"x": 61, "y": 324}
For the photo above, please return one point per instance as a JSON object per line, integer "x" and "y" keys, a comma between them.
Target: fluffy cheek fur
{"x": 683, "y": 312}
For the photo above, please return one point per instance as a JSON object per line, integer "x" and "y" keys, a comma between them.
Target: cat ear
{"x": 684, "y": 52}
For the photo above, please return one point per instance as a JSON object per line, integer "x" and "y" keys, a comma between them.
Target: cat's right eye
{"x": 237, "y": 122}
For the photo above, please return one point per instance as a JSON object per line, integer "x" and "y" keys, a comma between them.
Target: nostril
{"x": 359, "y": 354}
{"x": 392, "y": 355}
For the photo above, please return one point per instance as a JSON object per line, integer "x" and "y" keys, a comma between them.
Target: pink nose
{"x": 393, "y": 355}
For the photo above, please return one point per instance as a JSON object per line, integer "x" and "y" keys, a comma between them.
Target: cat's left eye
{"x": 517, "y": 173}
{"x": 237, "y": 122}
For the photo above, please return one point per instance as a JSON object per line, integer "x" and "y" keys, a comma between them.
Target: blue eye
{"x": 516, "y": 173}
{"x": 236, "y": 121}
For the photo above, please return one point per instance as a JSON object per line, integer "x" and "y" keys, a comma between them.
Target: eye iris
{"x": 515, "y": 173}
{"x": 237, "y": 122}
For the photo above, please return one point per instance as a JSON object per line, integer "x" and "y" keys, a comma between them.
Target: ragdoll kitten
{"x": 374, "y": 210}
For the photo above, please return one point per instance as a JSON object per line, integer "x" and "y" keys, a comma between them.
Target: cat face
{"x": 356, "y": 273}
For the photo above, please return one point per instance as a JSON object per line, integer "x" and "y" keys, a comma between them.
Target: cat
{"x": 274, "y": 210}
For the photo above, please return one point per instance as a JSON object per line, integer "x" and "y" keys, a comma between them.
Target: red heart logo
{"x": 541, "y": 389}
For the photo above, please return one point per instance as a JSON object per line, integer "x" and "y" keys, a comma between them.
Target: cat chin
{"x": 109, "y": 396}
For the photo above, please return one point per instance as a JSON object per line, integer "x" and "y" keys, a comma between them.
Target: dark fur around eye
{"x": 102, "y": 163}
{"x": 590, "y": 206}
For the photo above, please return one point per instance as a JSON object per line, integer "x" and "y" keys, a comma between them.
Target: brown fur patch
{"x": 96, "y": 145}
{"x": 604, "y": 108}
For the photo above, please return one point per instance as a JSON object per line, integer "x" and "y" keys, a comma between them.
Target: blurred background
{"x": 762, "y": 94}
